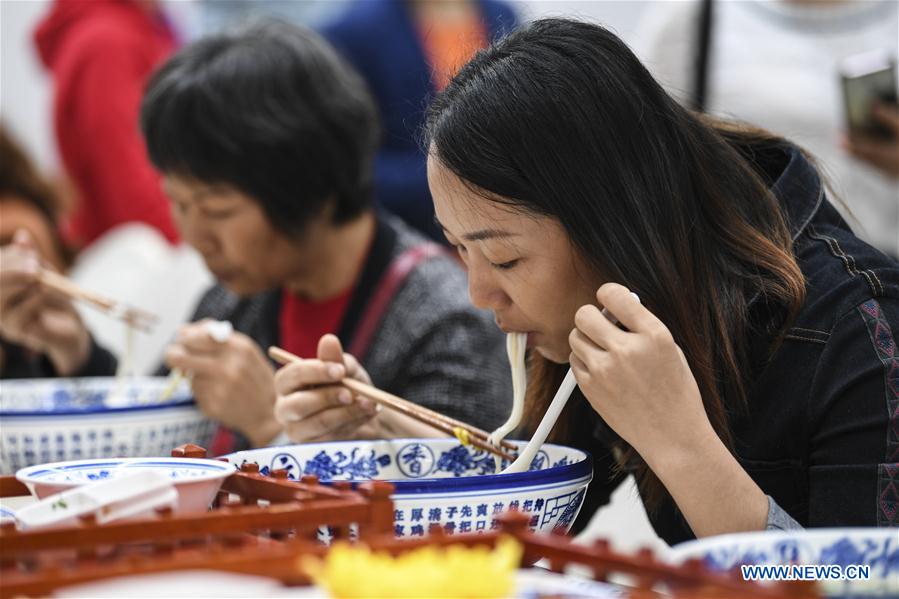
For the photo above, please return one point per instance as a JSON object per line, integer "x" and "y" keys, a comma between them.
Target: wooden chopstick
{"x": 476, "y": 436}
{"x": 283, "y": 356}
{"x": 134, "y": 316}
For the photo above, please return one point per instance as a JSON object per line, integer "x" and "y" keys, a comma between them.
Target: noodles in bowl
{"x": 46, "y": 420}
{"x": 441, "y": 482}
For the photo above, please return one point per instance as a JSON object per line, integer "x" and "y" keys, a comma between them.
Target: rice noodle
{"x": 516, "y": 347}
{"x": 124, "y": 371}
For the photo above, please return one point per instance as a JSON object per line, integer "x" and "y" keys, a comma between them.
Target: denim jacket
{"x": 821, "y": 432}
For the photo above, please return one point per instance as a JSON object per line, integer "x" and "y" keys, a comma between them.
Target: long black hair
{"x": 560, "y": 119}
{"x": 272, "y": 110}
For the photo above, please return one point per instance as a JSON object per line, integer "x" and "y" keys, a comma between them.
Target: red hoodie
{"x": 101, "y": 53}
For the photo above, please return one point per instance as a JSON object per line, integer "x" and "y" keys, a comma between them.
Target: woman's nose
{"x": 483, "y": 289}
{"x": 196, "y": 234}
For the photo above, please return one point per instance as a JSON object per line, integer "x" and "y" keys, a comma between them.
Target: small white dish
{"x": 131, "y": 496}
{"x": 196, "y": 480}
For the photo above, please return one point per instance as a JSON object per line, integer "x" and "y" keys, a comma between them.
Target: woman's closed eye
{"x": 219, "y": 214}
{"x": 504, "y": 265}
{"x": 463, "y": 251}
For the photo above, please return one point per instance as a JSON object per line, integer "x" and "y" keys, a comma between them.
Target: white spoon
{"x": 523, "y": 462}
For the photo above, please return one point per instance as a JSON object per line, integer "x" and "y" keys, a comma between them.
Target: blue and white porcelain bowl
{"x": 440, "y": 481}
{"x": 196, "y": 480}
{"x": 44, "y": 420}
{"x": 877, "y": 548}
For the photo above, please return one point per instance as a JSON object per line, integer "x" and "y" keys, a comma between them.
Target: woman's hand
{"x": 638, "y": 380}
{"x": 36, "y": 317}
{"x": 881, "y": 153}
{"x": 232, "y": 381}
{"x": 312, "y": 406}
{"x": 640, "y": 383}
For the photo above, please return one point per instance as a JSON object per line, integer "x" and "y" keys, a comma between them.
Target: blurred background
{"x": 26, "y": 89}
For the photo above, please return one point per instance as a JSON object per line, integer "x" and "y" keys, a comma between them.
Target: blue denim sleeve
{"x": 778, "y": 519}
{"x": 854, "y": 420}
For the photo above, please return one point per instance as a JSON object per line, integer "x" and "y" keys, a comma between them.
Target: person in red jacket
{"x": 100, "y": 54}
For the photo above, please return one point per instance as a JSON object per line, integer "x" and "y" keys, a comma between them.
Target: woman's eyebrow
{"x": 480, "y": 235}
{"x": 487, "y": 234}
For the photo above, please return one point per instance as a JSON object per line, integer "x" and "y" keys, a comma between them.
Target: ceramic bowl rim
{"x": 176, "y": 401}
{"x": 215, "y": 469}
{"x": 572, "y": 473}
{"x": 695, "y": 547}
{"x": 99, "y": 410}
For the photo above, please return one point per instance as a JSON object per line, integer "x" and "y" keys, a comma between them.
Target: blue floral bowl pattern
{"x": 877, "y": 548}
{"x": 44, "y": 420}
{"x": 441, "y": 482}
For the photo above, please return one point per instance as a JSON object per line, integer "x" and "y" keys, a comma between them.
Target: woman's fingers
{"x": 300, "y": 405}
{"x": 177, "y": 356}
{"x": 306, "y": 373}
{"x": 23, "y": 240}
{"x": 619, "y": 302}
{"x": 329, "y": 349}
{"x": 887, "y": 114}
{"x": 584, "y": 348}
{"x": 354, "y": 369}
{"x": 581, "y": 372}
{"x": 590, "y": 322}
{"x": 195, "y": 338}
{"x": 310, "y": 405}
{"x": 321, "y": 411}
{"x": 18, "y": 275}
{"x": 20, "y": 320}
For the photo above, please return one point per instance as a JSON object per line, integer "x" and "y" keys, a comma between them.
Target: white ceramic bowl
{"x": 197, "y": 481}
{"x": 439, "y": 481}
{"x": 877, "y": 548}
{"x": 44, "y": 420}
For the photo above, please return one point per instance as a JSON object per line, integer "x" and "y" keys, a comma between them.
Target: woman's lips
{"x": 223, "y": 275}
{"x": 510, "y": 330}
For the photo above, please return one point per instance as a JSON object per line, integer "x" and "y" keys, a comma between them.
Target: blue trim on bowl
{"x": 490, "y": 492}
{"x": 481, "y": 482}
{"x": 94, "y": 410}
{"x": 34, "y": 472}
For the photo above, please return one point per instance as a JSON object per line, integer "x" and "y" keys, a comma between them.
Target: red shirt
{"x": 101, "y": 53}
{"x": 302, "y": 323}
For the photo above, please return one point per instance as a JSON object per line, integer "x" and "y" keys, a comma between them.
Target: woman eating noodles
{"x": 754, "y": 385}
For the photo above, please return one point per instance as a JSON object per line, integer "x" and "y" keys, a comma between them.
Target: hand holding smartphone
{"x": 868, "y": 79}
{"x": 872, "y": 112}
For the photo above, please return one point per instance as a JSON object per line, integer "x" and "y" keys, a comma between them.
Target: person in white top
{"x": 776, "y": 64}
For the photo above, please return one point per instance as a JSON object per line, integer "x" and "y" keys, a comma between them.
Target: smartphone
{"x": 867, "y": 79}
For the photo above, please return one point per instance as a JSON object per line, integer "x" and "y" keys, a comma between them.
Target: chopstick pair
{"x": 450, "y": 426}
{"x": 140, "y": 319}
